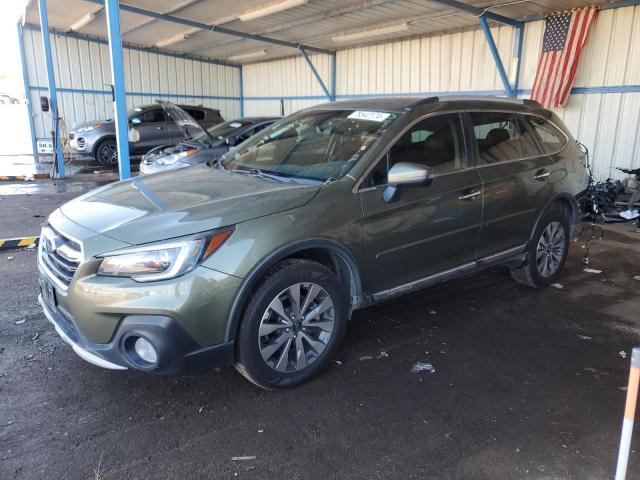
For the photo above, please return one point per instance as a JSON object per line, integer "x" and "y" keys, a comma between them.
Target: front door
{"x": 515, "y": 175}
{"x": 429, "y": 229}
{"x": 155, "y": 129}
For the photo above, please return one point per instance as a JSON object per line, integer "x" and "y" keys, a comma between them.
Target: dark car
{"x": 259, "y": 260}
{"x": 152, "y": 124}
{"x": 200, "y": 146}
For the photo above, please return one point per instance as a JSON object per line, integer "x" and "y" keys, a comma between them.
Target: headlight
{"x": 88, "y": 128}
{"x": 162, "y": 260}
{"x": 174, "y": 157}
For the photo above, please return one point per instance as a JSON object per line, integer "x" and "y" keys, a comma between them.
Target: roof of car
{"x": 156, "y": 105}
{"x": 399, "y": 104}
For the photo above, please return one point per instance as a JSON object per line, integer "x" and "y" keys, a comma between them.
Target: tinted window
{"x": 530, "y": 144}
{"x": 246, "y": 135}
{"x": 195, "y": 113}
{"x": 260, "y": 127}
{"x": 154, "y": 115}
{"x": 498, "y": 137}
{"x": 551, "y": 139}
{"x": 435, "y": 142}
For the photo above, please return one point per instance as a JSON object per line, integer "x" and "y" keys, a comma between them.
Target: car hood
{"x": 103, "y": 123}
{"x": 189, "y": 127}
{"x": 183, "y": 202}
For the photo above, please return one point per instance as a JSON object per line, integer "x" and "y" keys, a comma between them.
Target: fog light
{"x": 145, "y": 350}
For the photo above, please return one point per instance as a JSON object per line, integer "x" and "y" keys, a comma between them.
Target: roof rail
{"x": 421, "y": 102}
{"x": 533, "y": 103}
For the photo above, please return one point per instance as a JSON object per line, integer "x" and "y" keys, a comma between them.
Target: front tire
{"x": 106, "y": 153}
{"x": 547, "y": 251}
{"x": 293, "y": 325}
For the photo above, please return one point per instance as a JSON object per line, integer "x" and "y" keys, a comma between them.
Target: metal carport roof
{"x": 318, "y": 24}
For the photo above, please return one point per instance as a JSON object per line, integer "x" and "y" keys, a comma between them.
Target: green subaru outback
{"x": 259, "y": 259}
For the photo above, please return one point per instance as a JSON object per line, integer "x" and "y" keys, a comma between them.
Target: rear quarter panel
{"x": 569, "y": 173}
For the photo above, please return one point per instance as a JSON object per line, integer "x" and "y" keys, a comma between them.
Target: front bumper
{"x": 78, "y": 143}
{"x": 177, "y": 350}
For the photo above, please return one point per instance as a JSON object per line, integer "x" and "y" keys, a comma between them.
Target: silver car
{"x": 152, "y": 123}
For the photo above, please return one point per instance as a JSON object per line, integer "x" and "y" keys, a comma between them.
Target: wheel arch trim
{"x": 329, "y": 245}
{"x": 99, "y": 141}
{"x": 562, "y": 196}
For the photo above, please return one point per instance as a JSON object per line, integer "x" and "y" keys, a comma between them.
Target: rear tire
{"x": 547, "y": 251}
{"x": 293, "y": 325}
{"x": 106, "y": 153}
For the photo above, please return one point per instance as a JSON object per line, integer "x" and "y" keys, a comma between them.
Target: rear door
{"x": 425, "y": 229}
{"x": 515, "y": 173}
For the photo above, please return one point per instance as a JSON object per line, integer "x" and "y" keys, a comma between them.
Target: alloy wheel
{"x": 550, "y": 249}
{"x": 296, "y": 327}
{"x": 109, "y": 154}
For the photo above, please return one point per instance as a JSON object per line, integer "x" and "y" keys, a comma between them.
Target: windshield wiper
{"x": 256, "y": 172}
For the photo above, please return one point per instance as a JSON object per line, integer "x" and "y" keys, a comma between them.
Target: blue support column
{"x": 315, "y": 73}
{"x": 117, "y": 77}
{"x": 517, "y": 56}
{"x": 27, "y": 91}
{"x": 51, "y": 83}
{"x": 496, "y": 57}
{"x": 241, "y": 92}
{"x": 333, "y": 77}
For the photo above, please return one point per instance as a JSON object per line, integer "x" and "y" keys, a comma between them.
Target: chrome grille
{"x": 59, "y": 255}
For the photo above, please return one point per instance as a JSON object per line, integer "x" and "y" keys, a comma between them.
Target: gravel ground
{"x": 476, "y": 379}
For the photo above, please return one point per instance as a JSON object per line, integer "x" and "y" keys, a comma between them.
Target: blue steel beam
{"x": 241, "y": 92}
{"x": 117, "y": 76}
{"x": 334, "y": 74}
{"x": 517, "y": 57}
{"x": 131, "y": 46}
{"x": 51, "y": 84}
{"x": 496, "y": 57}
{"x": 27, "y": 90}
{"x": 213, "y": 28}
{"x": 479, "y": 12}
{"x": 315, "y": 73}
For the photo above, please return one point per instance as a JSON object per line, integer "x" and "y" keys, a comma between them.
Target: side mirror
{"x": 405, "y": 174}
{"x": 136, "y": 121}
{"x": 230, "y": 141}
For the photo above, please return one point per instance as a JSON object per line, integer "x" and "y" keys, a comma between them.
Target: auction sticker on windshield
{"x": 371, "y": 116}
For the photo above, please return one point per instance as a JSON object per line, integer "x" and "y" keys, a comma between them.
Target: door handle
{"x": 470, "y": 196}
{"x": 541, "y": 174}
{"x": 160, "y": 128}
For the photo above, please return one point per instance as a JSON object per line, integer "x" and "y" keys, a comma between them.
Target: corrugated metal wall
{"x": 607, "y": 119}
{"x": 289, "y": 79}
{"x": 83, "y": 75}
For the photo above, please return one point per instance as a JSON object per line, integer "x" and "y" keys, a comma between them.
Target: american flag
{"x": 564, "y": 36}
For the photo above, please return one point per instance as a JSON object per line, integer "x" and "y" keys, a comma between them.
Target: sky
{"x": 10, "y": 67}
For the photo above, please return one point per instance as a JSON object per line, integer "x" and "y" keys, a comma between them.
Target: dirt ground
{"x": 523, "y": 384}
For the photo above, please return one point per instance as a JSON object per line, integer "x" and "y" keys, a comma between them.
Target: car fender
{"x": 559, "y": 196}
{"x": 99, "y": 140}
{"x": 235, "y": 317}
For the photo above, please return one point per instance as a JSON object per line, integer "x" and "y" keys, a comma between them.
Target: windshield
{"x": 222, "y": 130}
{"x": 316, "y": 145}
